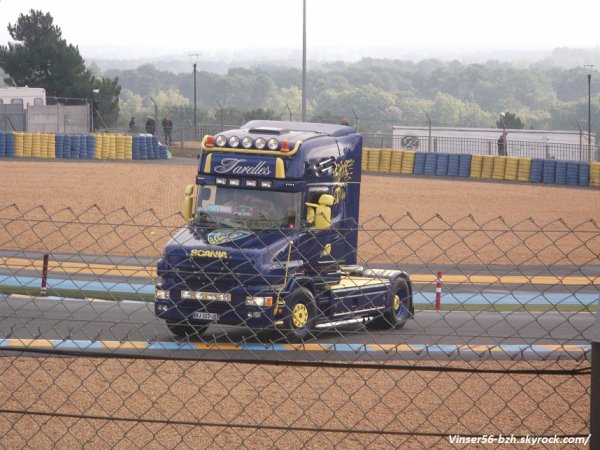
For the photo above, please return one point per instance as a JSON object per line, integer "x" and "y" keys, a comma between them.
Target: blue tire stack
{"x": 549, "y": 174}
{"x": 143, "y": 148}
{"x": 135, "y": 147}
{"x": 155, "y": 149}
{"x": 572, "y": 173}
{"x": 66, "y": 153}
{"x": 453, "y": 165}
{"x": 2, "y": 144}
{"x": 163, "y": 151}
{"x": 10, "y": 145}
{"x": 537, "y": 170}
{"x": 419, "y": 167}
{"x": 58, "y": 145}
{"x": 82, "y": 147}
{"x": 464, "y": 167}
{"x": 430, "y": 163}
{"x": 75, "y": 147}
{"x": 584, "y": 174}
{"x": 561, "y": 172}
{"x": 441, "y": 165}
{"x": 91, "y": 146}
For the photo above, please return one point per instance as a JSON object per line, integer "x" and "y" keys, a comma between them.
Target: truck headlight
{"x": 187, "y": 295}
{"x": 234, "y": 141}
{"x": 260, "y": 143}
{"x": 162, "y": 294}
{"x": 221, "y": 140}
{"x": 273, "y": 144}
{"x": 259, "y": 301}
{"x": 247, "y": 142}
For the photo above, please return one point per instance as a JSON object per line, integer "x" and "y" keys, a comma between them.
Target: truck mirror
{"x": 188, "y": 203}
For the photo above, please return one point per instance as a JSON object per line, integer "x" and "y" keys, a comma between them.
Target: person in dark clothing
{"x": 150, "y": 125}
{"x": 502, "y": 151}
{"x": 167, "y": 125}
{"x": 132, "y": 125}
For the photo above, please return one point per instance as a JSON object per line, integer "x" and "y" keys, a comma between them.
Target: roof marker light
{"x": 260, "y": 143}
{"x": 247, "y": 142}
{"x": 285, "y": 146}
{"x": 221, "y": 140}
{"x": 209, "y": 141}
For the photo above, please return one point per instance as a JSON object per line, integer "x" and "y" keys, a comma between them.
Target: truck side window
{"x": 16, "y": 101}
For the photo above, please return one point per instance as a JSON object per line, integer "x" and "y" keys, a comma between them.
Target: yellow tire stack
{"x": 27, "y": 145}
{"x": 112, "y": 147}
{"x": 19, "y": 145}
{"x": 385, "y": 160}
{"x": 105, "y": 146}
{"x": 98, "y": 153}
{"x": 487, "y": 167}
{"x": 512, "y": 168}
{"x": 499, "y": 168}
{"x": 128, "y": 147}
{"x": 373, "y": 161}
{"x": 595, "y": 174}
{"x": 408, "y": 162}
{"x": 396, "y": 161}
{"x": 476, "y": 166}
{"x": 44, "y": 146}
{"x": 120, "y": 147}
{"x": 365, "y": 159}
{"x": 524, "y": 169}
{"x": 51, "y": 146}
{"x": 36, "y": 145}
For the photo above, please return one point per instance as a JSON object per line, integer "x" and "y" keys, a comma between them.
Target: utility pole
{"x": 303, "y": 60}
{"x": 194, "y": 60}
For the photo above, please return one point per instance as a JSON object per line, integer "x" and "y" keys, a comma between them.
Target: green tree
{"x": 40, "y": 57}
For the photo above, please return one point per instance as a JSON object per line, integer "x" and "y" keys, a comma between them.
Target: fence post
{"x": 595, "y": 387}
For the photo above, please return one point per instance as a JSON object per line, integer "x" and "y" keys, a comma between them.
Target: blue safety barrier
{"x": 572, "y": 173}
{"x": 419, "y": 167}
{"x": 163, "y": 151}
{"x": 549, "y": 173}
{"x": 91, "y": 146}
{"x": 584, "y": 174}
{"x": 2, "y": 144}
{"x": 537, "y": 170}
{"x": 561, "y": 172}
{"x": 453, "y": 165}
{"x": 464, "y": 167}
{"x": 430, "y": 163}
{"x": 441, "y": 164}
{"x": 143, "y": 148}
{"x": 58, "y": 145}
{"x": 66, "y": 153}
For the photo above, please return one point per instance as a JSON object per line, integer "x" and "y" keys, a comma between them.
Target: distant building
{"x": 24, "y": 96}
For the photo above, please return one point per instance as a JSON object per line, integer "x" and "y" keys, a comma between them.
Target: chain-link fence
{"x": 488, "y": 340}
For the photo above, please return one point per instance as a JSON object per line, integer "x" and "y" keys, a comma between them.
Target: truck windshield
{"x": 222, "y": 207}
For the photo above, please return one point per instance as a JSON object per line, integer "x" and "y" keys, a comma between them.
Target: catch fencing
{"x": 506, "y": 354}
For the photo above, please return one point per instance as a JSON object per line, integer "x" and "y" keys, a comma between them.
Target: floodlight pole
{"x": 194, "y": 59}
{"x": 303, "y": 60}
{"x": 589, "y": 68}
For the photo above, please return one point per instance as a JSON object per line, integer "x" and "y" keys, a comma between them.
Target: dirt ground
{"x": 404, "y": 219}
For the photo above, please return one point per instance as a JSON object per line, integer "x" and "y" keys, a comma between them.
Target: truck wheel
{"x": 301, "y": 314}
{"x": 398, "y": 308}
{"x": 186, "y": 331}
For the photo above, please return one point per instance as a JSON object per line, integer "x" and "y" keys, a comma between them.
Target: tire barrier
{"x": 524, "y": 169}
{"x": 464, "y": 167}
{"x": 430, "y": 163}
{"x": 419, "y": 166}
{"x": 441, "y": 164}
{"x": 15, "y": 144}
{"x": 505, "y": 168}
{"x": 537, "y": 170}
{"x": 453, "y": 165}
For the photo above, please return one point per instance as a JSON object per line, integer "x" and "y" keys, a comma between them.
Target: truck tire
{"x": 398, "y": 308}
{"x": 301, "y": 314}
{"x": 185, "y": 330}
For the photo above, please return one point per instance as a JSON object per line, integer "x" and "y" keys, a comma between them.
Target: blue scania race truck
{"x": 272, "y": 237}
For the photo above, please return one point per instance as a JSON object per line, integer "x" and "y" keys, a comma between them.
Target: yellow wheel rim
{"x": 300, "y": 315}
{"x": 396, "y": 303}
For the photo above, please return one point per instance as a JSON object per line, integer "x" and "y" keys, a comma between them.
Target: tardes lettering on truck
{"x": 272, "y": 237}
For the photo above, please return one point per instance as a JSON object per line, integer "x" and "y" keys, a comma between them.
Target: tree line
{"x": 378, "y": 93}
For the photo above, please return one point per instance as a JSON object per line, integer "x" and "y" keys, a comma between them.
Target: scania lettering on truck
{"x": 272, "y": 234}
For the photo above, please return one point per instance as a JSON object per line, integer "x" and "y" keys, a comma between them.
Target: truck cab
{"x": 272, "y": 237}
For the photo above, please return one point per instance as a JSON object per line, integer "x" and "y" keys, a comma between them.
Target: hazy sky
{"x": 161, "y": 27}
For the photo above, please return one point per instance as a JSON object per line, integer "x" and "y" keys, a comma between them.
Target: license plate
{"x": 205, "y": 316}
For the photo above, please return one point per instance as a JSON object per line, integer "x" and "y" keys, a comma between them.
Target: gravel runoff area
{"x": 62, "y": 390}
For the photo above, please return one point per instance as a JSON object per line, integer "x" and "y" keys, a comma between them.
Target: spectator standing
{"x": 502, "y": 150}
{"x": 132, "y": 125}
{"x": 167, "y": 125}
{"x": 150, "y": 125}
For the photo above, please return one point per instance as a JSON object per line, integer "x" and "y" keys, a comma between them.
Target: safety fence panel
{"x": 125, "y": 329}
